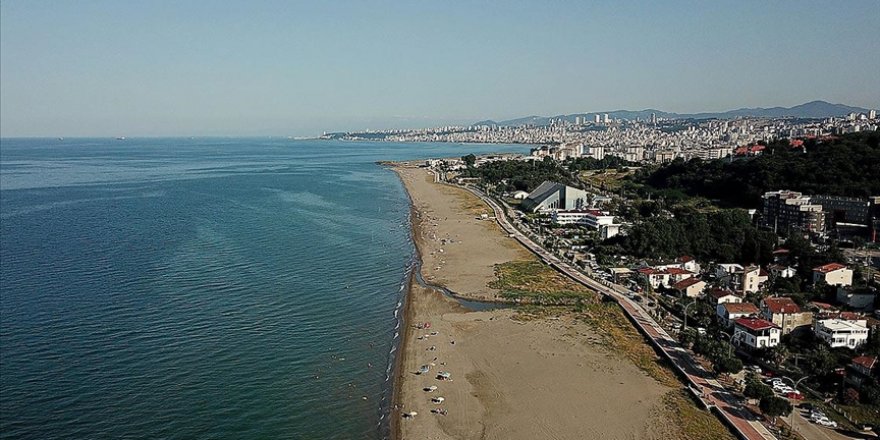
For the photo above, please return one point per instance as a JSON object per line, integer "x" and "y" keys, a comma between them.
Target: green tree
{"x": 729, "y": 365}
{"x": 469, "y": 160}
{"x": 756, "y": 390}
{"x": 773, "y": 406}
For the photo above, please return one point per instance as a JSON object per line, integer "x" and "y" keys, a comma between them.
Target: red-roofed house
{"x": 833, "y": 274}
{"x": 690, "y": 287}
{"x": 755, "y": 333}
{"x": 721, "y": 296}
{"x": 860, "y": 370}
{"x": 729, "y": 312}
{"x": 785, "y": 313}
{"x": 656, "y": 277}
{"x": 677, "y": 274}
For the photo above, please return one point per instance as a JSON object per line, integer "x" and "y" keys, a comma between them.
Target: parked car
{"x": 754, "y": 368}
{"x": 795, "y": 395}
{"x": 825, "y": 421}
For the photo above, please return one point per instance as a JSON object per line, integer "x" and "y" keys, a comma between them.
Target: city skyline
{"x": 105, "y": 69}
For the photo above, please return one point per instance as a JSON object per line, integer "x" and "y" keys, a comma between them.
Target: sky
{"x": 223, "y": 68}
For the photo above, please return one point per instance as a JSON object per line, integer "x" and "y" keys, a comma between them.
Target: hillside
{"x": 848, "y": 166}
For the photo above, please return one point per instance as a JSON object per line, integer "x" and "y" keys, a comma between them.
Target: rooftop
{"x": 755, "y": 324}
{"x": 866, "y": 362}
{"x": 781, "y": 305}
{"x": 747, "y": 308}
{"x": 684, "y": 284}
{"x": 830, "y": 267}
{"x": 841, "y": 324}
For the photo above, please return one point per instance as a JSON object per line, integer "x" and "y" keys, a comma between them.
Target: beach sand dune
{"x": 545, "y": 378}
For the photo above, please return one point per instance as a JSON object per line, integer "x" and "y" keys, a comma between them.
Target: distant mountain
{"x": 815, "y": 109}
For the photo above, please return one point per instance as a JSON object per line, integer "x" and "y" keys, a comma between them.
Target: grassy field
{"x": 535, "y": 281}
{"x": 609, "y": 180}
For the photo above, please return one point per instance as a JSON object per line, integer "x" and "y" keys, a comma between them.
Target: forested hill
{"x": 847, "y": 165}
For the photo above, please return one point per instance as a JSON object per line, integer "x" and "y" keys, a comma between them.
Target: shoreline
{"x": 559, "y": 364}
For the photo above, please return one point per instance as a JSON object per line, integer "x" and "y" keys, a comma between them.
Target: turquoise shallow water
{"x": 200, "y": 288}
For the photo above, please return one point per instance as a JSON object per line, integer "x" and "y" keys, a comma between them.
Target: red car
{"x": 795, "y": 395}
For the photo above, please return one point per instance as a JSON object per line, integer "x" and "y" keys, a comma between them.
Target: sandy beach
{"x": 553, "y": 377}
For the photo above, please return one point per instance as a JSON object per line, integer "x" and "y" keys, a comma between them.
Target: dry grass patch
{"x": 622, "y": 338}
{"x": 692, "y": 422}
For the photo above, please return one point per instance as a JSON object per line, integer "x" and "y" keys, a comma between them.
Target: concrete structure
{"x": 729, "y": 312}
{"x": 551, "y": 195}
{"x": 785, "y": 313}
{"x": 790, "y": 210}
{"x": 833, "y": 274}
{"x": 755, "y": 333}
{"x": 842, "y": 333}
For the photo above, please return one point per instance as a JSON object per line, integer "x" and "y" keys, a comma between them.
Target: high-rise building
{"x": 653, "y": 118}
{"x": 596, "y": 120}
{"x": 872, "y": 114}
{"x": 606, "y": 118}
{"x": 578, "y": 120}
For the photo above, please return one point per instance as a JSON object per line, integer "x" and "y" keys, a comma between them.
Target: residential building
{"x": 782, "y": 271}
{"x": 755, "y": 333}
{"x": 860, "y": 370}
{"x": 729, "y": 312}
{"x": 790, "y": 210}
{"x": 833, "y": 274}
{"x": 753, "y": 279}
{"x": 721, "y": 296}
{"x": 690, "y": 287}
{"x": 655, "y": 277}
{"x": 862, "y": 299}
{"x": 785, "y": 313}
{"x": 842, "y": 333}
{"x": 551, "y": 195}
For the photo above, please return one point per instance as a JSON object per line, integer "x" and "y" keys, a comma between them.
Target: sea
{"x": 207, "y": 288}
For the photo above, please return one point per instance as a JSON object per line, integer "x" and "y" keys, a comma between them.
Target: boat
{"x": 430, "y": 389}
{"x": 438, "y": 400}
{"x": 424, "y": 369}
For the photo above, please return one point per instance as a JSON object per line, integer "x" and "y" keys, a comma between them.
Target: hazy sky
{"x": 78, "y": 68}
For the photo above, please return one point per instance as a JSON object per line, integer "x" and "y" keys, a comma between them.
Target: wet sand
{"x": 549, "y": 378}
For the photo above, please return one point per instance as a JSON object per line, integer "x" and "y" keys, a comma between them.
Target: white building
{"x": 586, "y": 217}
{"x": 833, "y": 274}
{"x": 842, "y": 333}
{"x": 755, "y": 333}
{"x": 551, "y": 195}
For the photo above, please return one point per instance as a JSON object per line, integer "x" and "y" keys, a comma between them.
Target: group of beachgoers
{"x": 442, "y": 376}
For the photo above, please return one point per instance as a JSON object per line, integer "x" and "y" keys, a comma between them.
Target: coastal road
{"x": 702, "y": 383}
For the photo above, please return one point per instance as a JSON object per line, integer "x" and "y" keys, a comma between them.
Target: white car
{"x": 825, "y": 421}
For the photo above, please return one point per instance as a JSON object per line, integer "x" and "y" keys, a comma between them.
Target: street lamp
{"x": 732, "y": 338}
{"x": 686, "y": 314}
{"x": 791, "y": 418}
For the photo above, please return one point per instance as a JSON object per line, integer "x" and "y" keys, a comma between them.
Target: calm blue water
{"x": 200, "y": 289}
